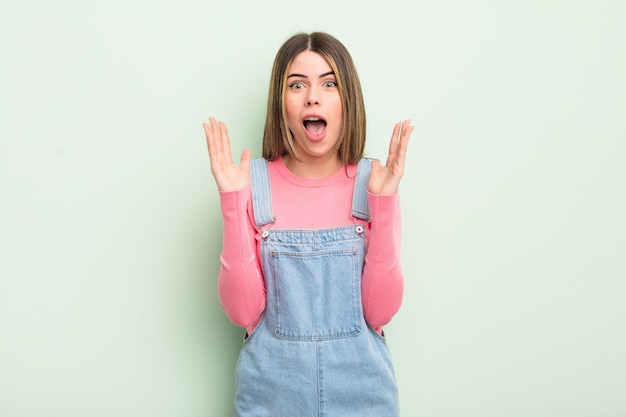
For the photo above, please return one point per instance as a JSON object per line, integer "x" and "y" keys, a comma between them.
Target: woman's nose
{"x": 312, "y": 97}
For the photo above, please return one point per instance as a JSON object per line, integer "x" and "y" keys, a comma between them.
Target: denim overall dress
{"x": 312, "y": 354}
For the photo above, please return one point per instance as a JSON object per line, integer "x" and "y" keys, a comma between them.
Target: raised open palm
{"x": 385, "y": 179}
{"x": 228, "y": 175}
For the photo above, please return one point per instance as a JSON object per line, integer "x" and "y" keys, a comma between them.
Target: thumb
{"x": 245, "y": 159}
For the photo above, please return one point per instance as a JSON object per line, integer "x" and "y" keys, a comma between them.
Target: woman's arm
{"x": 240, "y": 284}
{"x": 382, "y": 285}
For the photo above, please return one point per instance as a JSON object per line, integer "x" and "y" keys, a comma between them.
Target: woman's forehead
{"x": 309, "y": 63}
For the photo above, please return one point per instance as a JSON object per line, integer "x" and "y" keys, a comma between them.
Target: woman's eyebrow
{"x": 304, "y": 76}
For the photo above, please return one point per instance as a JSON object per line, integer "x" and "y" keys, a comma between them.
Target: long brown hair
{"x": 277, "y": 139}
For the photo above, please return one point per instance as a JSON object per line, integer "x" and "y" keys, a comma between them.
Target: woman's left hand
{"x": 385, "y": 179}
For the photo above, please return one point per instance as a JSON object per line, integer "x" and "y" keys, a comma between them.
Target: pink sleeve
{"x": 240, "y": 283}
{"x": 383, "y": 284}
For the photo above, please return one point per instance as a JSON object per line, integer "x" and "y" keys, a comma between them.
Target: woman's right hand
{"x": 228, "y": 176}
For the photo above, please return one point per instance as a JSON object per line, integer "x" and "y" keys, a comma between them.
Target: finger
{"x": 207, "y": 131}
{"x": 393, "y": 143}
{"x": 245, "y": 159}
{"x": 404, "y": 142}
{"x": 210, "y": 140}
{"x": 397, "y": 130}
{"x": 407, "y": 129}
{"x": 217, "y": 137}
{"x": 215, "y": 143}
{"x": 225, "y": 141}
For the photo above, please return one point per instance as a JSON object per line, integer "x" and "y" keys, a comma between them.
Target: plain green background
{"x": 513, "y": 200}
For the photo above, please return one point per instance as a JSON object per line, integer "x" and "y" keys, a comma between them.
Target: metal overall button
{"x": 359, "y": 229}
{"x": 265, "y": 234}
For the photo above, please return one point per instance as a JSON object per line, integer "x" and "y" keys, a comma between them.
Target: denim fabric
{"x": 312, "y": 354}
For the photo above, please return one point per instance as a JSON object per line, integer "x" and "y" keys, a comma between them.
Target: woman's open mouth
{"x": 315, "y": 128}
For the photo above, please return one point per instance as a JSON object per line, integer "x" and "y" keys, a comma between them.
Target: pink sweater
{"x": 305, "y": 203}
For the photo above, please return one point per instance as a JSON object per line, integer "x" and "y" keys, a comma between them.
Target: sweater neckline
{"x": 313, "y": 182}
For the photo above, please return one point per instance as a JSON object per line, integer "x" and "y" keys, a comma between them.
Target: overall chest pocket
{"x": 317, "y": 294}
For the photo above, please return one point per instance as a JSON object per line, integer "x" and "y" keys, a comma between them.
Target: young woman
{"x": 310, "y": 264}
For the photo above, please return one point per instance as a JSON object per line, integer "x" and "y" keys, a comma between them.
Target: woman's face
{"x": 313, "y": 107}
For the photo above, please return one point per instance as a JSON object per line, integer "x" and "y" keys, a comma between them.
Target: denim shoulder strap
{"x": 261, "y": 193}
{"x": 360, "y": 203}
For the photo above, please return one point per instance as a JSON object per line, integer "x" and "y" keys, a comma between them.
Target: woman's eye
{"x": 296, "y": 86}
{"x": 330, "y": 84}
